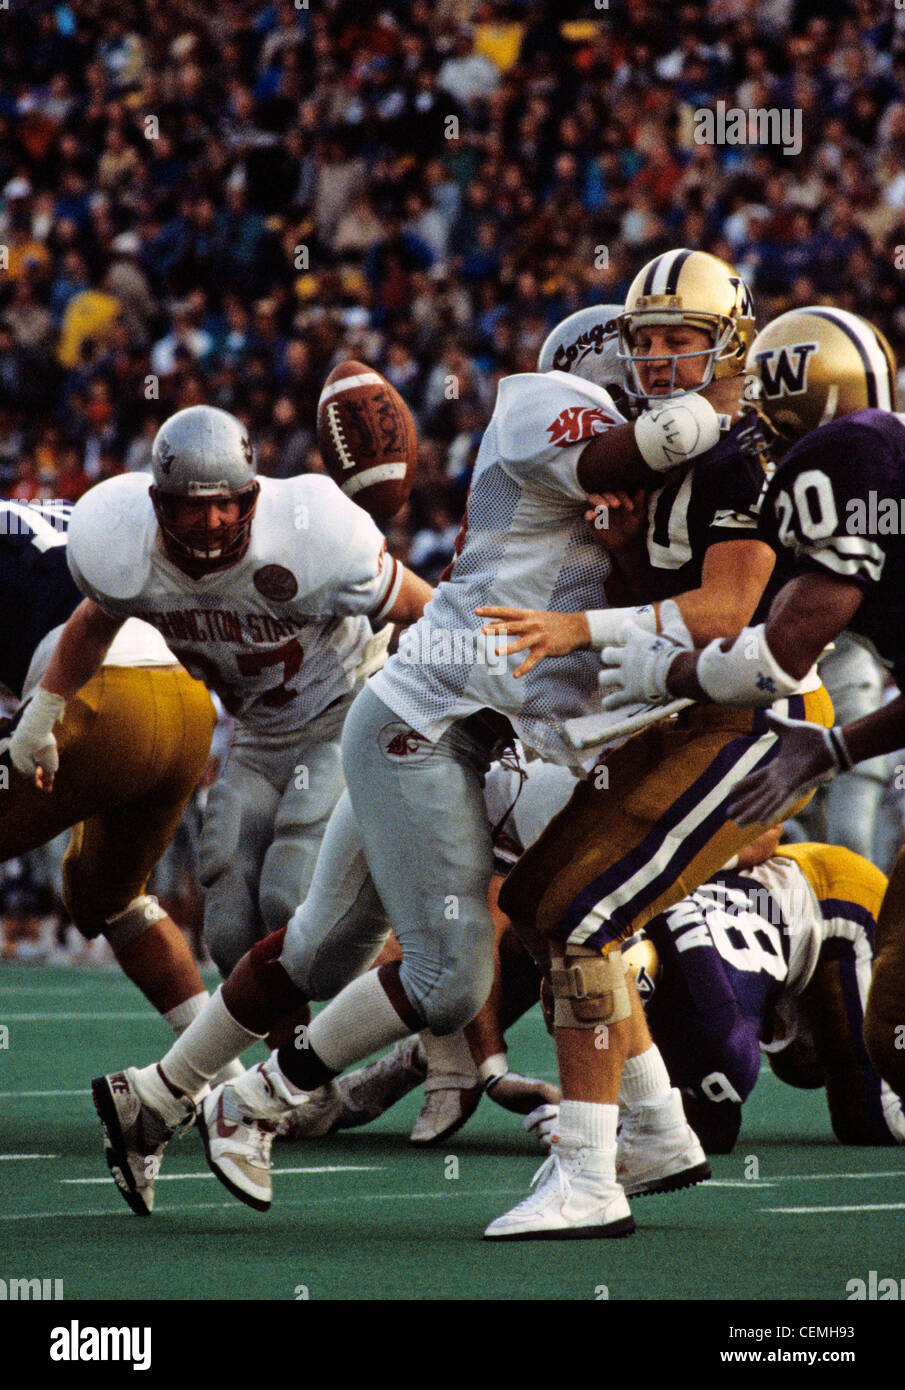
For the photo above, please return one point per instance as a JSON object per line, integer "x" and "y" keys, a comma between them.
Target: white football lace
{"x": 551, "y": 1166}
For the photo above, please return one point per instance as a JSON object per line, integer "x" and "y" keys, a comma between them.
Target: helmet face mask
{"x": 205, "y": 490}
{"x": 196, "y": 546}
{"x": 692, "y": 290}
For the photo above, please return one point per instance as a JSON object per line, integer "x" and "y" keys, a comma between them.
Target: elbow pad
{"x": 748, "y": 675}
{"x": 676, "y": 431}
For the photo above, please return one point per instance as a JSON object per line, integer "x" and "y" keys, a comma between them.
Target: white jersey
{"x": 136, "y": 644}
{"x": 281, "y": 634}
{"x": 524, "y": 543}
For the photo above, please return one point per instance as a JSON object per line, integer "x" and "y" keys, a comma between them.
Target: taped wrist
{"x": 748, "y": 675}
{"x": 676, "y": 431}
{"x": 45, "y": 708}
{"x": 604, "y": 622}
{"x": 589, "y": 989}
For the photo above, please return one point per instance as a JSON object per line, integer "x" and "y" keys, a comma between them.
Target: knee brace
{"x": 124, "y": 927}
{"x": 589, "y": 989}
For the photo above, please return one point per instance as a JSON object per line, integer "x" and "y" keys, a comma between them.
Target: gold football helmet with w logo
{"x": 816, "y": 364}
{"x": 693, "y": 289}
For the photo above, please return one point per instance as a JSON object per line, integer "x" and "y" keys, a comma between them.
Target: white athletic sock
{"x": 212, "y": 1040}
{"x": 497, "y": 1065}
{"x": 592, "y": 1125}
{"x": 231, "y": 1072}
{"x": 184, "y": 1013}
{"x": 356, "y": 1023}
{"x": 645, "y": 1080}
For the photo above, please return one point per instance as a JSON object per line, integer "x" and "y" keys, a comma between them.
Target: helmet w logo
{"x": 784, "y": 370}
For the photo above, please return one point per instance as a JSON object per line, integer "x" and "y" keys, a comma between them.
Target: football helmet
{"x": 813, "y": 365}
{"x": 693, "y": 288}
{"x": 201, "y": 454}
{"x": 586, "y": 345}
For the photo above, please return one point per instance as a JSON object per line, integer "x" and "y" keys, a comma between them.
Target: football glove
{"x": 636, "y": 671}
{"x": 807, "y": 756}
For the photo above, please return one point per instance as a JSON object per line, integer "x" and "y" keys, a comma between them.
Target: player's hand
{"x": 616, "y": 519}
{"x": 807, "y": 756}
{"x": 540, "y": 634}
{"x": 635, "y": 672}
{"x": 32, "y": 747}
{"x": 542, "y": 1123}
{"x": 521, "y": 1094}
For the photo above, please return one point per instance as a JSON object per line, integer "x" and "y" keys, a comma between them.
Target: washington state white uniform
{"x": 283, "y": 637}
{"x": 420, "y": 736}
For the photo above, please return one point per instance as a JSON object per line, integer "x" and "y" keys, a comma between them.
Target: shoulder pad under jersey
{"x": 112, "y": 533}
{"x": 307, "y": 521}
{"x": 537, "y": 410}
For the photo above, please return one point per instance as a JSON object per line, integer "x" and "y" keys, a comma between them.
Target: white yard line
{"x": 808, "y": 1211}
{"x": 185, "y": 1177}
{"x": 14, "y": 1158}
{"x": 53, "y": 1017}
{"x": 33, "y": 1095}
{"x": 95, "y": 1212}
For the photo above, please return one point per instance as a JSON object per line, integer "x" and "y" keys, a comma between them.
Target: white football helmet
{"x": 198, "y": 454}
{"x": 586, "y": 344}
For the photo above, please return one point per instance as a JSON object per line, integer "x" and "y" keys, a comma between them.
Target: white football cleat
{"x": 657, "y": 1150}
{"x": 576, "y": 1198}
{"x": 135, "y": 1136}
{"x": 360, "y": 1096}
{"x": 237, "y": 1123}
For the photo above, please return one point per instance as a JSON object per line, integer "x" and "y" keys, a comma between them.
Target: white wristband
{"x": 673, "y": 625}
{"x": 676, "y": 431}
{"x": 605, "y": 623}
{"x": 748, "y": 676}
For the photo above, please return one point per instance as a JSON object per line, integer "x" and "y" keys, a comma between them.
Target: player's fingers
{"x": 513, "y": 625}
{"x": 615, "y": 699}
{"x": 527, "y": 665}
{"x": 491, "y": 611}
{"x": 523, "y": 645}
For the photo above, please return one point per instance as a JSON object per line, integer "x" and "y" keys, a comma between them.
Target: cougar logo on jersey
{"x": 578, "y": 422}
{"x": 783, "y": 377}
{"x": 401, "y": 741}
{"x": 275, "y": 582}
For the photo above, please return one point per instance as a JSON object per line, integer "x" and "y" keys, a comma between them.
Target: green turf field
{"x": 363, "y": 1216}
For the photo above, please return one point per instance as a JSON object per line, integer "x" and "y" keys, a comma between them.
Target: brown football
{"x": 367, "y": 438}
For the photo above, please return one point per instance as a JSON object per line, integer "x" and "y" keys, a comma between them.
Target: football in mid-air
{"x": 367, "y": 438}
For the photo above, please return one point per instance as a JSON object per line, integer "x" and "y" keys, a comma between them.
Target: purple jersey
{"x": 837, "y": 505}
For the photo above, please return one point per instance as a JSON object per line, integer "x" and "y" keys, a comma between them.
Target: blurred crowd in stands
{"x": 218, "y": 203}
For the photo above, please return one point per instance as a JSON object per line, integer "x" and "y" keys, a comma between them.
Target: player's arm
{"x": 732, "y": 580}
{"x": 765, "y": 663}
{"x": 407, "y": 601}
{"x": 79, "y": 653}
{"x": 631, "y": 456}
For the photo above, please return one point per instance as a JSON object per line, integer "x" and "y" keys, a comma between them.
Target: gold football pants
{"x": 647, "y": 826}
{"x": 133, "y": 745}
{"x": 884, "y": 1019}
